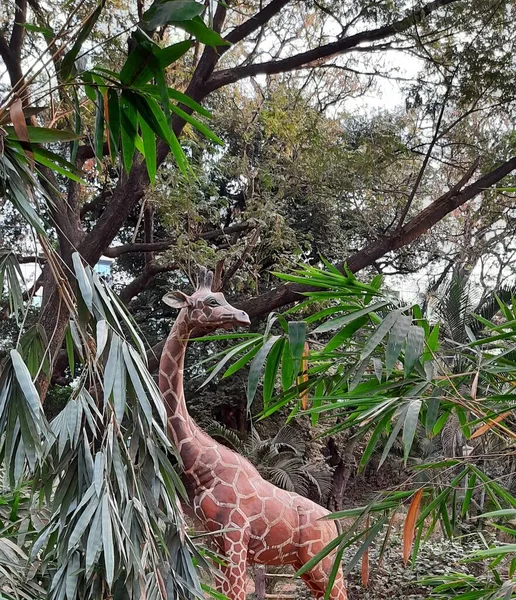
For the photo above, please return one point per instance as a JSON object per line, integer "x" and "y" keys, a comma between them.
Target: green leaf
{"x": 82, "y": 523}
{"x": 341, "y": 321}
{"x": 256, "y": 368}
{"x": 201, "y": 127}
{"x": 201, "y": 32}
{"x": 98, "y": 138}
{"x": 145, "y": 59}
{"x": 297, "y": 337}
{"x": 170, "y": 54}
{"x": 129, "y": 123}
{"x": 345, "y": 334}
{"x": 25, "y": 381}
{"x": 233, "y": 352}
{"x": 94, "y": 543}
{"x": 57, "y": 163}
{"x": 394, "y": 434}
{"x": 271, "y": 371}
{"x": 397, "y": 337}
{"x": 113, "y": 123}
{"x": 107, "y": 541}
{"x": 137, "y": 384}
{"x": 67, "y": 65}
{"x": 410, "y": 426}
{"x": 83, "y": 281}
{"x": 469, "y": 494}
{"x": 149, "y": 146}
{"x": 43, "y": 135}
{"x": 149, "y": 110}
{"x": 414, "y": 347}
{"x": 287, "y": 367}
{"x": 432, "y": 410}
{"x": 375, "y": 339}
{"x": 165, "y": 13}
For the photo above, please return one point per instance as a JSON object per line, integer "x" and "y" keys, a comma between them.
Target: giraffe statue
{"x": 267, "y": 525}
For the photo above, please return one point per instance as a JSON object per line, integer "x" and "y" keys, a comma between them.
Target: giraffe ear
{"x": 176, "y": 300}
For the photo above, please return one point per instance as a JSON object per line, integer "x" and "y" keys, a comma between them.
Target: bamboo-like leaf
{"x": 137, "y": 384}
{"x": 233, "y": 352}
{"x": 201, "y": 32}
{"x": 42, "y": 135}
{"x": 68, "y": 61}
{"x": 27, "y": 386}
{"x": 414, "y": 347}
{"x": 303, "y": 377}
{"x": 410, "y": 524}
{"x": 128, "y": 128}
{"x": 149, "y": 146}
{"x": 83, "y": 281}
{"x": 20, "y": 126}
{"x": 394, "y": 434}
{"x": 113, "y": 123}
{"x": 201, "y": 127}
{"x": 82, "y": 523}
{"x": 271, "y": 371}
{"x": 397, "y": 337}
{"x": 341, "y": 321}
{"x": 256, "y": 368}
{"x": 432, "y": 410}
{"x": 469, "y": 494}
{"x": 410, "y": 426}
{"x": 107, "y": 541}
{"x": 375, "y": 339}
{"x": 163, "y": 13}
{"x": 102, "y": 336}
{"x": 371, "y": 535}
{"x": 98, "y": 137}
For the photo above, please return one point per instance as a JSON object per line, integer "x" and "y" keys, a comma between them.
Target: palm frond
{"x": 231, "y": 437}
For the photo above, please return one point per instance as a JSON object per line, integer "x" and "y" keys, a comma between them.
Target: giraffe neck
{"x": 171, "y": 367}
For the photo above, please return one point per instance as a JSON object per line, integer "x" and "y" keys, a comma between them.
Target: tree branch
{"x": 116, "y": 251}
{"x": 416, "y": 227}
{"x": 140, "y": 283}
{"x": 11, "y": 52}
{"x": 322, "y": 53}
{"x": 255, "y": 22}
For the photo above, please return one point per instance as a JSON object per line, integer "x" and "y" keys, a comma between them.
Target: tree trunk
{"x": 344, "y": 463}
{"x": 260, "y": 580}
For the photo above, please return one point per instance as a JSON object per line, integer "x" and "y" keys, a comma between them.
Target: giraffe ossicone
{"x": 267, "y": 525}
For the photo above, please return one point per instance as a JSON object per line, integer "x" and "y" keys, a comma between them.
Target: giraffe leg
{"x": 234, "y": 584}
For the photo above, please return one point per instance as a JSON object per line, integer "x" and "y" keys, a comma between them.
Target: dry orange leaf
{"x": 487, "y": 426}
{"x": 304, "y": 377}
{"x": 20, "y": 126}
{"x": 364, "y": 572}
{"x": 410, "y": 524}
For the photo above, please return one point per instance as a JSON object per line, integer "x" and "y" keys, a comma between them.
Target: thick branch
{"x": 255, "y": 22}
{"x": 323, "y": 53}
{"x": 117, "y": 251}
{"x": 415, "y": 228}
{"x": 11, "y": 52}
{"x": 140, "y": 283}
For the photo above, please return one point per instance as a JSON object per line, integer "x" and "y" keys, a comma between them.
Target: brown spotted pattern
{"x": 268, "y": 525}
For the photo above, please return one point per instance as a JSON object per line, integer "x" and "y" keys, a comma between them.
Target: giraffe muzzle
{"x": 242, "y": 318}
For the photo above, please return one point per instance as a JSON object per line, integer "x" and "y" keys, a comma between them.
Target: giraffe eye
{"x": 212, "y": 302}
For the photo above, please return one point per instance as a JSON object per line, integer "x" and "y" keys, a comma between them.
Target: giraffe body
{"x": 268, "y": 525}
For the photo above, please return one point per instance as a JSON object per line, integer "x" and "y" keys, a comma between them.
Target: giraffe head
{"x": 205, "y": 310}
